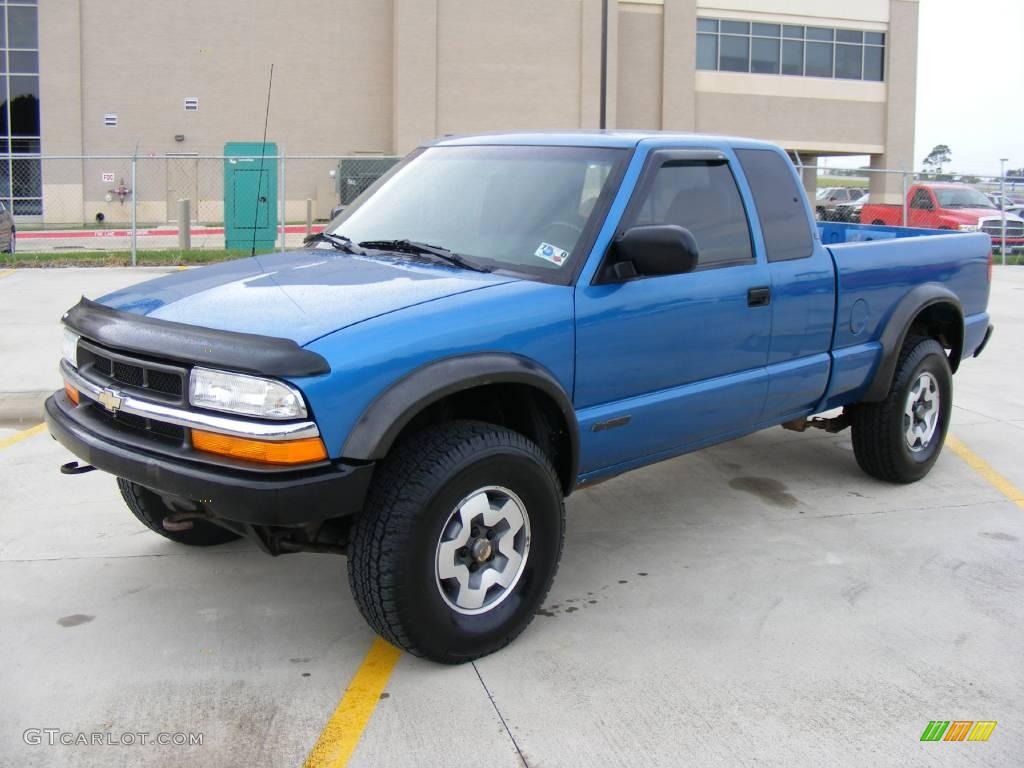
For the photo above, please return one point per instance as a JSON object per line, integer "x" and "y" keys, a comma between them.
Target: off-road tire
{"x": 394, "y": 547}
{"x": 879, "y": 444}
{"x": 151, "y": 510}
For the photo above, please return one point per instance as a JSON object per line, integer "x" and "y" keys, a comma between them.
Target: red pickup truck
{"x": 948, "y": 206}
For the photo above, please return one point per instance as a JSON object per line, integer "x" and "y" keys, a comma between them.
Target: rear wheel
{"x": 151, "y": 511}
{"x": 11, "y": 247}
{"x": 900, "y": 438}
{"x": 459, "y": 541}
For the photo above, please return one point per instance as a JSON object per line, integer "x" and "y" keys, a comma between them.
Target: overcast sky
{"x": 970, "y": 82}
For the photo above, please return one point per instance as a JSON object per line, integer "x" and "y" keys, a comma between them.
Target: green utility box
{"x": 250, "y": 194}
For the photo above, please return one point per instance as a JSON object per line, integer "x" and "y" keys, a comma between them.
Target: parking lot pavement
{"x": 148, "y": 239}
{"x": 758, "y": 603}
{"x": 31, "y": 303}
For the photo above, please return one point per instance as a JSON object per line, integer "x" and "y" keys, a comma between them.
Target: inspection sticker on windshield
{"x": 551, "y": 253}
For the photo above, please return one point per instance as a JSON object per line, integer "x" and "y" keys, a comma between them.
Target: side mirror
{"x": 658, "y": 249}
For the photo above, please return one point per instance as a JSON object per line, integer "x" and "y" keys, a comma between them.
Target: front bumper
{"x": 1016, "y": 241}
{"x": 284, "y": 497}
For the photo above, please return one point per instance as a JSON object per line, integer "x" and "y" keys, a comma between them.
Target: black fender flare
{"x": 391, "y": 411}
{"x": 897, "y": 328}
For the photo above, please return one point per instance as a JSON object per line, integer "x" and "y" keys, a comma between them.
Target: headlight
{"x": 247, "y": 395}
{"x": 968, "y": 227}
{"x": 69, "y": 346}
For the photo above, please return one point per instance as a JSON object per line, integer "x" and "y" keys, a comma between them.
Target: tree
{"x": 938, "y": 157}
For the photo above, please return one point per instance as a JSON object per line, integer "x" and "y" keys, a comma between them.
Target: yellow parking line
{"x": 17, "y": 437}
{"x": 340, "y": 736}
{"x": 983, "y": 468}
{"x": 6, "y": 272}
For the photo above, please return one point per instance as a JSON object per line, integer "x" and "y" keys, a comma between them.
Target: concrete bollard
{"x": 309, "y": 217}
{"x": 184, "y": 225}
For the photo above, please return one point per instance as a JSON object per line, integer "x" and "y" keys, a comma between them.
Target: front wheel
{"x": 900, "y": 438}
{"x": 459, "y": 541}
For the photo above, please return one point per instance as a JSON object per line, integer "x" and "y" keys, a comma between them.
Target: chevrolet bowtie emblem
{"x": 110, "y": 400}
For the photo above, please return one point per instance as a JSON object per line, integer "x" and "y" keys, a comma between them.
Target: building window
{"x": 727, "y": 45}
{"x": 21, "y": 181}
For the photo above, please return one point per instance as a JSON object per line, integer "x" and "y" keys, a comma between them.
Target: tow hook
{"x": 179, "y": 521}
{"x": 74, "y": 468}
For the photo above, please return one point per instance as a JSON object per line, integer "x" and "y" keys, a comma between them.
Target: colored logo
{"x": 110, "y": 400}
{"x": 548, "y": 251}
{"x": 958, "y": 730}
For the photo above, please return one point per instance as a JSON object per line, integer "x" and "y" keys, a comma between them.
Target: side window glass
{"x": 703, "y": 198}
{"x": 779, "y": 202}
{"x": 921, "y": 200}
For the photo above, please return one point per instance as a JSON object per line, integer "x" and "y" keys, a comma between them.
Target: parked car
{"x": 948, "y": 206}
{"x": 1008, "y": 200}
{"x": 7, "y": 230}
{"x": 828, "y": 198}
{"x": 849, "y": 212}
{"x": 506, "y": 319}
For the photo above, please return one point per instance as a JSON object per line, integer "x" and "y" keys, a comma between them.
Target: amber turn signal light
{"x": 72, "y": 393}
{"x": 302, "y": 451}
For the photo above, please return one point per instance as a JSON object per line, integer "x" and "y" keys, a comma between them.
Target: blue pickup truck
{"x": 500, "y": 320}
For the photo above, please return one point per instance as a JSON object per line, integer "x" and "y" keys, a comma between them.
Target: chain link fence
{"x": 952, "y": 201}
{"x": 178, "y": 202}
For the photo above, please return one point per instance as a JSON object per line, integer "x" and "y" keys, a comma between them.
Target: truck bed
{"x": 876, "y": 267}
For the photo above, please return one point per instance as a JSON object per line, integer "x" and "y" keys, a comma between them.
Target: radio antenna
{"x": 263, "y": 154}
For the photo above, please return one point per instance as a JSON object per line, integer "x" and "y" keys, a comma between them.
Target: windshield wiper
{"x": 340, "y": 242}
{"x": 423, "y": 249}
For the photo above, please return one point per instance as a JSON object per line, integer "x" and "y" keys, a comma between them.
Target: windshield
{"x": 961, "y": 197}
{"x": 513, "y": 207}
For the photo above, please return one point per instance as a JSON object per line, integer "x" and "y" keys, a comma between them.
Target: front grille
{"x": 160, "y": 381}
{"x": 994, "y": 227}
{"x": 161, "y": 431}
{"x": 130, "y": 375}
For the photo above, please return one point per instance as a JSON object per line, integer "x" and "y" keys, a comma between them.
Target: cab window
{"x": 922, "y": 200}
{"x": 700, "y": 196}
{"x": 780, "y": 204}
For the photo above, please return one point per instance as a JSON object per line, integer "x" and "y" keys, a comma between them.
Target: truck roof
{"x": 942, "y": 184}
{"x": 597, "y": 138}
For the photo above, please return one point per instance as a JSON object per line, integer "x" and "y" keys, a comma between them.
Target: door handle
{"x": 759, "y": 297}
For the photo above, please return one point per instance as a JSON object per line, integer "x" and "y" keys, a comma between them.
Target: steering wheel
{"x": 574, "y": 230}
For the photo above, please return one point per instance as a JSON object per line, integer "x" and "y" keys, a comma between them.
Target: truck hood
{"x": 300, "y": 295}
{"x": 974, "y": 215}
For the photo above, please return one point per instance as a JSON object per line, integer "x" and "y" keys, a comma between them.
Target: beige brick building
{"x": 820, "y": 77}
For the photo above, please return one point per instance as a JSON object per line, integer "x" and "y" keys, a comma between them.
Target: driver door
{"x": 665, "y": 362}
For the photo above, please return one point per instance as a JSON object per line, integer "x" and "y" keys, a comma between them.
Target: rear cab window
{"x": 779, "y": 203}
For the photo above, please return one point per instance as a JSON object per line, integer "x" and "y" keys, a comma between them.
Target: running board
{"x": 832, "y": 426}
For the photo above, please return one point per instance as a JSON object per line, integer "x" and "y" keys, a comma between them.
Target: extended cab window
{"x": 702, "y": 197}
{"x": 779, "y": 203}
